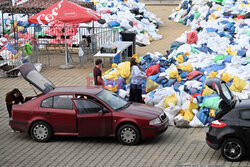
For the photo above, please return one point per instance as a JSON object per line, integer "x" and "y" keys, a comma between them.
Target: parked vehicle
{"x": 83, "y": 112}
{"x": 230, "y": 132}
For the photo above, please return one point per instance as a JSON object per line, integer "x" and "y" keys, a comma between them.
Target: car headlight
{"x": 155, "y": 121}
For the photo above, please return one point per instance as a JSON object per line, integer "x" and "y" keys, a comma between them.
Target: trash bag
{"x": 175, "y": 74}
{"x": 238, "y": 84}
{"x": 193, "y": 74}
{"x": 113, "y": 24}
{"x": 212, "y": 103}
{"x": 226, "y": 77}
{"x": 180, "y": 58}
{"x": 196, "y": 123}
{"x": 188, "y": 115}
{"x": 192, "y": 105}
{"x": 151, "y": 70}
{"x": 113, "y": 75}
{"x": 151, "y": 85}
{"x": 170, "y": 99}
{"x": 212, "y": 113}
{"x": 192, "y": 37}
{"x": 207, "y": 91}
{"x": 196, "y": 15}
{"x": 202, "y": 115}
{"x": 170, "y": 82}
{"x": 187, "y": 67}
{"x": 124, "y": 69}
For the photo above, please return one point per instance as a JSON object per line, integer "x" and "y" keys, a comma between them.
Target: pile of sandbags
{"x": 132, "y": 16}
{"x": 214, "y": 47}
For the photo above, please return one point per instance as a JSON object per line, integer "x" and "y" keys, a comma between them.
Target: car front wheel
{"x": 41, "y": 131}
{"x": 233, "y": 150}
{"x": 128, "y": 134}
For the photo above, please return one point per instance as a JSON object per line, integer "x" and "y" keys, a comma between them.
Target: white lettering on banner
{"x": 49, "y": 17}
{"x": 39, "y": 20}
{"x": 55, "y": 11}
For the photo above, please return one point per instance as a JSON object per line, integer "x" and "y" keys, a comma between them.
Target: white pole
{"x": 66, "y": 48}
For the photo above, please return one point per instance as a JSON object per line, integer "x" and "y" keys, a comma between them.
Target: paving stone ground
{"x": 176, "y": 147}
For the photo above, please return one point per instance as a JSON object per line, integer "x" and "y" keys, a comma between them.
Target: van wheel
{"x": 129, "y": 134}
{"x": 233, "y": 150}
{"x": 41, "y": 131}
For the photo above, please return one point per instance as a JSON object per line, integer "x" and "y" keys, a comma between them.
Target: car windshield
{"x": 113, "y": 100}
{"x": 226, "y": 92}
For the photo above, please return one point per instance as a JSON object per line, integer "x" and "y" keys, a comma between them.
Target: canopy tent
{"x": 66, "y": 12}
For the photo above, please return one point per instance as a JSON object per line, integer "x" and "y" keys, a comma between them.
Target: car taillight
{"x": 218, "y": 124}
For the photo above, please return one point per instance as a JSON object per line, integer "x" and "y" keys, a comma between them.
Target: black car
{"x": 230, "y": 132}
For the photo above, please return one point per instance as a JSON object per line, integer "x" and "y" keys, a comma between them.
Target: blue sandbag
{"x": 203, "y": 115}
{"x": 154, "y": 77}
{"x": 161, "y": 69}
{"x": 113, "y": 24}
{"x": 184, "y": 74}
{"x": 214, "y": 67}
{"x": 199, "y": 98}
{"x": 177, "y": 85}
{"x": 211, "y": 30}
{"x": 185, "y": 58}
{"x": 152, "y": 94}
{"x": 192, "y": 91}
{"x": 170, "y": 82}
{"x": 210, "y": 119}
{"x": 228, "y": 59}
{"x": 164, "y": 81}
{"x": 242, "y": 53}
{"x": 197, "y": 78}
{"x": 175, "y": 45}
{"x": 120, "y": 82}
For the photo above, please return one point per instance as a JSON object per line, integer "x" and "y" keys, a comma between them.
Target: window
{"x": 87, "y": 107}
{"x": 113, "y": 100}
{"x": 60, "y": 102}
{"x": 226, "y": 91}
{"x": 63, "y": 102}
{"x": 40, "y": 81}
{"x": 245, "y": 115}
{"x": 47, "y": 103}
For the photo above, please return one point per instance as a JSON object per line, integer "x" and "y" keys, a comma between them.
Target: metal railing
{"x": 47, "y": 40}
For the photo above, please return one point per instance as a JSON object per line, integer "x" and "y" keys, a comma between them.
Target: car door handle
{"x": 81, "y": 119}
{"x": 47, "y": 113}
{"x": 246, "y": 128}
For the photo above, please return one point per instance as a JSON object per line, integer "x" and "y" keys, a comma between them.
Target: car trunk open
{"x": 30, "y": 74}
{"x": 228, "y": 99}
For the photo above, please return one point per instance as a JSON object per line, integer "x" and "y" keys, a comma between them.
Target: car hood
{"x": 143, "y": 110}
{"x": 35, "y": 78}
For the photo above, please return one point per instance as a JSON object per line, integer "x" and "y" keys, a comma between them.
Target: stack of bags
{"x": 218, "y": 45}
{"x": 131, "y": 16}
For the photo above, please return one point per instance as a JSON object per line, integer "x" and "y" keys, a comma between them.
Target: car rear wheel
{"x": 41, "y": 131}
{"x": 128, "y": 134}
{"x": 233, "y": 149}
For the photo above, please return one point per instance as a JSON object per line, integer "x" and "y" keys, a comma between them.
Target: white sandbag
{"x": 196, "y": 123}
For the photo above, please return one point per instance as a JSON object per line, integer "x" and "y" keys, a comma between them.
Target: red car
{"x": 83, "y": 112}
